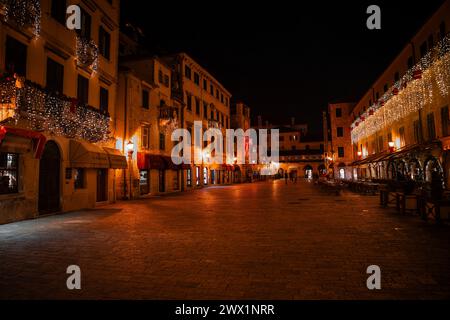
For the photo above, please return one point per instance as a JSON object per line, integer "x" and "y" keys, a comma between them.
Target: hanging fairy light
{"x": 87, "y": 53}
{"x": 61, "y": 115}
{"x": 25, "y": 13}
{"x": 417, "y": 88}
{"x": 168, "y": 119}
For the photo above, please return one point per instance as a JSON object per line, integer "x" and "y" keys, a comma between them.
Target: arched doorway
{"x": 308, "y": 170}
{"x": 49, "y": 179}
{"x": 391, "y": 171}
{"x": 433, "y": 170}
{"x": 415, "y": 170}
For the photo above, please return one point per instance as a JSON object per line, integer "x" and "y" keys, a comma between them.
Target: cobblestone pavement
{"x": 251, "y": 241}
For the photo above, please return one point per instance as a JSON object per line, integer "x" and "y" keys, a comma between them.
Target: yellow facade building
{"x": 57, "y": 97}
{"x": 400, "y": 127}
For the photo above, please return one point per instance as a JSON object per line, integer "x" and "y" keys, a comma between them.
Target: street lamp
{"x": 391, "y": 146}
{"x": 130, "y": 149}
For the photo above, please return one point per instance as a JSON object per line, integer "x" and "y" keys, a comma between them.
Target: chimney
{"x": 293, "y": 121}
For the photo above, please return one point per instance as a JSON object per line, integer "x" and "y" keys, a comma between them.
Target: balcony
{"x": 168, "y": 118}
{"x": 41, "y": 110}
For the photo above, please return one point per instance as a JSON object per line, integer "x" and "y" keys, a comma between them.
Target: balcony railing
{"x": 43, "y": 110}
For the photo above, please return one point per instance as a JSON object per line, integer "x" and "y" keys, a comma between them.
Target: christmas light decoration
{"x": 168, "y": 119}
{"x": 25, "y": 13}
{"x": 58, "y": 114}
{"x": 87, "y": 53}
{"x": 417, "y": 88}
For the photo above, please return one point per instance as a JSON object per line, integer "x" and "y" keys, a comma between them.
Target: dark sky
{"x": 283, "y": 58}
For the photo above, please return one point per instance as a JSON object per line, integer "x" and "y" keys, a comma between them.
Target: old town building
{"x": 240, "y": 119}
{"x": 341, "y": 153}
{"x": 57, "y": 94}
{"x": 400, "y": 127}
{"x": 203, "y": 99}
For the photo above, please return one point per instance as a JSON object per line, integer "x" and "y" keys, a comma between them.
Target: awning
{"x": 116, "y": 159}
{"x": 87, "y": 155}
{"x": 387, "y": 156}
{"x": 19, "y": 140}
{"x": 147, "y": 161}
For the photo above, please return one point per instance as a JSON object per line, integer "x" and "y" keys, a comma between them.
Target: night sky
{"x": 283, "y": 58}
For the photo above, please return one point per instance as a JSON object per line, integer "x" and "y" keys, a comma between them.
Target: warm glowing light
{"x": 391, "y": 144}
{"x": 130, "y": 146}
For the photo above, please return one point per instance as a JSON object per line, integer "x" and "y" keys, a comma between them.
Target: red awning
{"x": 149, "y": 161}
{"x": 38, "y": 138}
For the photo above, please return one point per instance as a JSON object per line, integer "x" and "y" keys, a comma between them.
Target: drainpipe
{"x": 125, "y": 107}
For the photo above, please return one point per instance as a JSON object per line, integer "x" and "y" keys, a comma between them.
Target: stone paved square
{"x": 263, "y": 240}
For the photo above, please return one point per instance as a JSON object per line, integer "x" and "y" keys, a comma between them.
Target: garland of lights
{"x": 25, "y": 13}
{"x": 417, "y": 88}
{"x": 87, "y": 53}
{"x": 46, "y": 111}
{"x": 167, "y": 119}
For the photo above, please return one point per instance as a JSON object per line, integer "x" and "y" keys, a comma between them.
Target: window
{"x": 341, "y": 152}
{"x": 187, "y": 72}
{"x": 389, "y": 136}
{"x": 423, "y": 49}
{"x": 166, "y": 80}
{"x": 410, "y": 62}
{"x": 16, "y": 57}
{"x": 221, "y": 98}
{"x": 189, "y": 102}
{"x": 205, "y": 84}
{"x": 83, "y": 90}
{"x": 86, "y": 22}
{"x": 145, "y": 99}
{"x": 417, "y": 135}
{"x": 211, "y": 89}
{"x": 205, "y": 176}
{"x": 104, "y": 99}
{"x": 430, "y": 126}
{"x": 104, "y": 43}
{"x": 205, "y": 110}
{"x": 217, "y": 93}
{"x": 401, "y": 134}
{"x": 58, "y": 11}
{"x": 444, "y": 121}
{"x": 162, "y": 141}
{"x": 55, "y": 76}
{"x": 9, "y": 165}
{"x": 160, "y": 76}
{"x": 340, "y": 131}
{"x": 197, "y": 176}
{"x": 380, "y": 146}
{"x": 189, "y": 177}
{"x": 145, "y": 137}
{"x": 79, "y": 178}
{"x": 442, "y": 30}
{"x": 196, "y": 78}
{"x": 338, "y": 112}
{"x": 197, "y": 106}
{"x": 430, "y": 41}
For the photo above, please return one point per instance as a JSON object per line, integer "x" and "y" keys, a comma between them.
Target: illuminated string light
{"x": 87, "y": 53}
{"x": 417, "y": 88}
{"x": 45, "y": 111}
{"x": 25, "y": 13}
